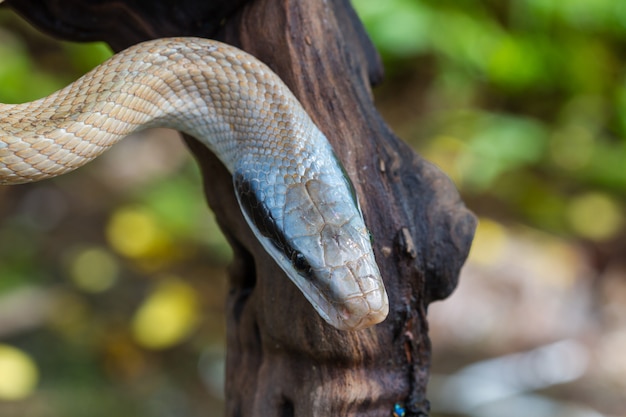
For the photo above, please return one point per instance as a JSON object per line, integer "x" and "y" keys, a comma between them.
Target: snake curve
{"x": 293, "y": 192}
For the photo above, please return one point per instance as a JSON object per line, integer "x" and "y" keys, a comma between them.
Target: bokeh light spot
{"x": 594, "y": 216}
{"x": 514, "y": 64}
{"x": 167, "y": 316}
{"x": 94, "y": 269}
{"x": 135, "y": 233}
{"x": 18, "y": 374}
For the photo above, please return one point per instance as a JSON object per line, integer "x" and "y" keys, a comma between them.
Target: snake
{"x": 294, "y": 193}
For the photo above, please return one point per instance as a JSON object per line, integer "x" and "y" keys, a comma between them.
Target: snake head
{"x": 313, "y": 228}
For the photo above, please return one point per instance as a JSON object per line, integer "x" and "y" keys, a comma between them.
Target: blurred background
{"x": 521, "y": 102}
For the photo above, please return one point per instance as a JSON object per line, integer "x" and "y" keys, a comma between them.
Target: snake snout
{"x": 358, "y": 313}
{"x": 356, "y": 295}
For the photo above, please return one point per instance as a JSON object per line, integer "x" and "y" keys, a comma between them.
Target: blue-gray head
{"x": 308, "y": 219}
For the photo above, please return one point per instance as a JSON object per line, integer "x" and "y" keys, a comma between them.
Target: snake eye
{"x": 300, "y": 264}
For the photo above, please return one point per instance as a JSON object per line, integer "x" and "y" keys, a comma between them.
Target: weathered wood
{"x": 283, "y": 360}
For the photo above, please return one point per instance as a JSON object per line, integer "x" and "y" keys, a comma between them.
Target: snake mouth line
{"x": 359, "y": 312}
{"x": 353, "y": 313}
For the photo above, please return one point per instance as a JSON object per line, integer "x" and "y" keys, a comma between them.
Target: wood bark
{"x": 283, "y": 360}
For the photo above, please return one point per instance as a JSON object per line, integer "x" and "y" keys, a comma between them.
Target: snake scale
{"x": 292, "y": 190}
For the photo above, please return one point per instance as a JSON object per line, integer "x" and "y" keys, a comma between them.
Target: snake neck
{"x": 218, "y": 94}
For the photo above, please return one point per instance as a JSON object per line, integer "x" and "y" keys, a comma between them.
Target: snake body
{"x": 292, "y": 190}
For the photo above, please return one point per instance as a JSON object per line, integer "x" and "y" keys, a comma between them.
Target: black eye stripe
{"x": 258, "y": 211}
{"x": 262, "y": 218}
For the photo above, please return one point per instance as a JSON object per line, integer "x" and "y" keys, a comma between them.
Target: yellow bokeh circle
{"x": 167, "y": 316}
{"x": 18, "y": 374}
{"x": 135, "y": 233}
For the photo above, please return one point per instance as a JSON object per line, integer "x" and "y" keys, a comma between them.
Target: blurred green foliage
{"x": 521, "y": 102}
{"x": 27, "y": 74}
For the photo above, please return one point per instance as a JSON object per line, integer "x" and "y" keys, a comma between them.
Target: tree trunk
{"x": 283, "y": 360}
